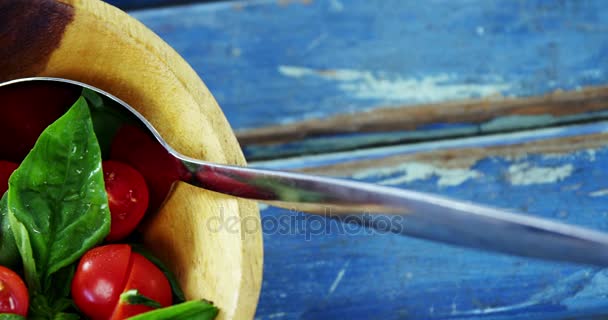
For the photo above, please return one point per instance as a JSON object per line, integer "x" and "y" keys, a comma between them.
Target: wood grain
{"x": 104, "y": 47}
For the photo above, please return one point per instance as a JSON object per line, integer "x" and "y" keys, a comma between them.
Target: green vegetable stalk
{"x": 6, "y": 316}
{"x": 189, "y": 310}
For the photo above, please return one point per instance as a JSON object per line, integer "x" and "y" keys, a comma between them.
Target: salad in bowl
{"x": 70, "y": 208}
{"x": 97, "y": 44}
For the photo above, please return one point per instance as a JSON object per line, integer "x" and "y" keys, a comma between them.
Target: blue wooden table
{"x": 501, "y": 102}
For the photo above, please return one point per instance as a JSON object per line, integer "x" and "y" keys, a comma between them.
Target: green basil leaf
{"x": 134, "y": 297}
{"x": 9, "y": 253}
{"x": 22, "y": 240}
{"x": 189, "y": 310}
{"x": 95, "y": 101}
{"x": 178, "y": 294}
{"x": 7, "y": 316}
{"x": 57, "y": 200}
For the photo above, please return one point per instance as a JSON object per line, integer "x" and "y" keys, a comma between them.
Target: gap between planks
{"x": 410, "y": 118}
{"x": 452, "y": 153}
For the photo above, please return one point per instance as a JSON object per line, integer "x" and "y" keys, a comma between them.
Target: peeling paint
{"x": 523, "y": 174}
{"x": 385, "y": 86}
{"x": 589, "y": 154}
{"x": 336, "y": 5}
{"x": 596, "y": 287}
{"x": 415, "y": 171}
{"x": 517, "y": 121}
{"x": 554, "y": 293}
{"x": 339, "y": 277}
{"x": 593, "y": 73}
{"x": 599, "y": 193}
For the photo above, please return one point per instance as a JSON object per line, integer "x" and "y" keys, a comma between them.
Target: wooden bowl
{"x": 93, "y": 42}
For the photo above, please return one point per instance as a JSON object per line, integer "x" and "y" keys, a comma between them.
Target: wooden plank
{"x": 557, "y": 105}
{"x": 296, "y": 62}
{"x": 319, "y": 269}
{"x": 395, "y": 125}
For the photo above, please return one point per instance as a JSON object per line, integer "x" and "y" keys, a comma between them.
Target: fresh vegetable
{"x": 57, "y": 207}
{"x": 61, "y": 203}
{"x": 105, "y": 272}
{"x": 133, "y": 297}
{"x": 189, "y": 310}
{"x": 6, "y": 169}
{"x": 178, "y": 294}
{"x": 9, "y": 316}
{"x": 14, "y": 298}
{"x": 127, "y": 196}
{"x": 9, "y": 254}
{"x": 100, "y": 279}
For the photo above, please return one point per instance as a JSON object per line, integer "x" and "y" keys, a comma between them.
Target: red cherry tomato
{"x": 6, "y": 169}
{"x": 146, "y": 278}
{"x": 14, "y": 298}
{"x": 100, "y": 279}
{"x": 105, "y": 272}
{"x": 133, "y": 146}
{"x": 128, "y": 198}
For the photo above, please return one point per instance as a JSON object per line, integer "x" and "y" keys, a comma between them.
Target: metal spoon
{"x": 404, "y": 212}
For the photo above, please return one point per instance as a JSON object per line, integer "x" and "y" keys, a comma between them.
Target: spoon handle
{"x": 408, "y": 213}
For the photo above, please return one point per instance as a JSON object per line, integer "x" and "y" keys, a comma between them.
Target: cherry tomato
{"x": 149, "y": 281}
{"x": 6, "y": 169}
{"x": 100, "y": 279}
{"x": 128, "y": 198}
{"x": 26, "y": 109}
{"x": 105, "y": 272}
{"x": 133, "y": 146}
{"x": 14, "y": 298}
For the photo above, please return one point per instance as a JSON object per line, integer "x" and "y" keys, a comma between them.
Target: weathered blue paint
{"x": 268, "y": 62}
{"x": 361, "y": 275}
